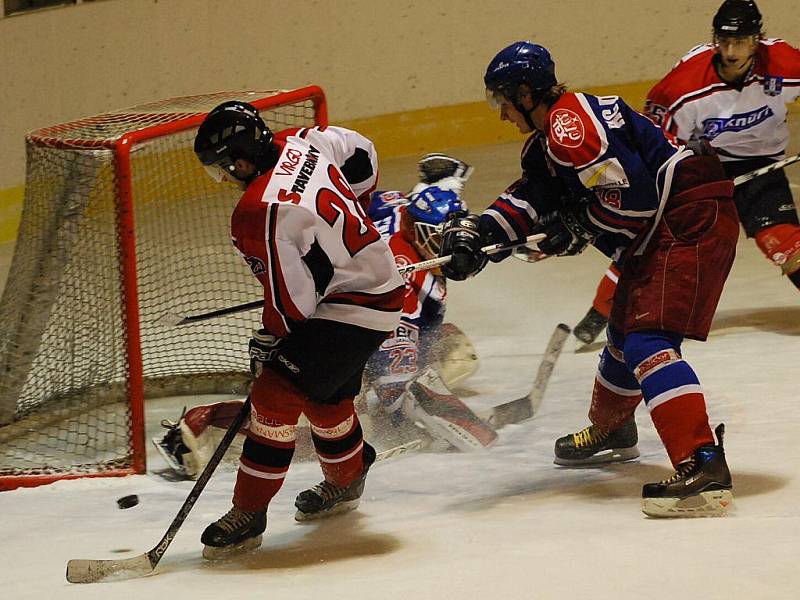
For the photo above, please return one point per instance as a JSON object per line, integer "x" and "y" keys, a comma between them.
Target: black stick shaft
{"x": 156, "y": 553}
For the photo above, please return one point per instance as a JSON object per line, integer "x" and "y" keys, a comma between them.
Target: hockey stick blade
{"x": 103, "y": 570}
{"x": 93, "y": 571}
{"x": 525, "y": 407}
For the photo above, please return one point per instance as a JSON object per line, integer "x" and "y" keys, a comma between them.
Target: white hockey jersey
{"x": 692, "y": 102}
{"x": 304, "y": 235}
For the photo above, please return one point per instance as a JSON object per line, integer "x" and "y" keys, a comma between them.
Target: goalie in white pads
{"x": 412, "y": 372}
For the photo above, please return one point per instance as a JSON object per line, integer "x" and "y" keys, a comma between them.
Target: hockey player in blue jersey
{"x": 665, "y": 213}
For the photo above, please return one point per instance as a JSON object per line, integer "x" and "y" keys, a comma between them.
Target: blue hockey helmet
{"x": 428, "y": 210}
{"x": 521, "y": 62}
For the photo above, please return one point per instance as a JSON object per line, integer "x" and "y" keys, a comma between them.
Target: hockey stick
{"x": 92, "y": 571}
{"x": 174, "y": 320}
{"x": 764, "y": 170}
{"x": 523, "y": 408}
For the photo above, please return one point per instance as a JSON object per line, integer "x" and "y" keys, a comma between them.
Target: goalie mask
{"x": 232, "y": 131}
{"x": 520, "y": 63}
{"x": 428, "y": 211}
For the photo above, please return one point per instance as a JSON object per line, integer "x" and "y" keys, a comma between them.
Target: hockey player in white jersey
{"x": 734, "y": 93}
{"x": 332, "y": 294}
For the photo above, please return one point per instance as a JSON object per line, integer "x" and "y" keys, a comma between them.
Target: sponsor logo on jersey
{"x": 739, "y": 122}
{"x": 303, "y": 177}
{"x": 567, "y": 128}
{"x": 605, "y": 174}
{"x": 773, "y": 85}
{"x": 289, "y": 163}
{"x": 256, "y": 264}
{"x": 612, "y": 116}
{"x": 404, "y": 334}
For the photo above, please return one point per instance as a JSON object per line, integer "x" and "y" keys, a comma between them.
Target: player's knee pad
{"x": 654, "y": 359}
{"x": 781, "y": 244}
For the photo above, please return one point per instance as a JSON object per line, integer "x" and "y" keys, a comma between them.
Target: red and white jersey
{"x": 692, "y": 102}
{"x": 302, "y": 232}
{"x": 425, "y": 291}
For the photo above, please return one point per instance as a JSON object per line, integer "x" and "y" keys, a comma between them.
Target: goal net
{"x": 120, "y": 226}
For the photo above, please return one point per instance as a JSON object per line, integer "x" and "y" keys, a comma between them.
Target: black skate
{"x": 325, "y": 499}
{"x": 700, "y": 487}
{"x": 590, "y": 326}
{"x": 592, "y": 446}
{"x": 237, "y": 531}
{"x": 172, "y": 448}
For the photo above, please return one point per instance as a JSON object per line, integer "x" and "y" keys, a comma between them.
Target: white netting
{"x": 63, "y": 364}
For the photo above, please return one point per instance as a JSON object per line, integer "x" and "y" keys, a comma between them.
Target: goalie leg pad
{"x": 457, "y": 359}
{"x": 428, "y": 401}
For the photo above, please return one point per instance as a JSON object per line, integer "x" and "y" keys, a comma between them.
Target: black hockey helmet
{"x": 737, "y": 18}
{"x": 231, "y": 131}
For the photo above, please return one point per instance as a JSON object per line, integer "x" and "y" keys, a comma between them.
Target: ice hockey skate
{"x": 700, "y": 487}
{"x": 325, "y": 499}
{"x": 236, "y": 531}
{"x": 592, "y": 446}
{"x": 590, "y": 326}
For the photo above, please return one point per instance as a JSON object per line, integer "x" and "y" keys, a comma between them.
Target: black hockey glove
{"x": 262, "y": 349}
{"x": 461, "y": 240}
{"x": 568, "y": 230}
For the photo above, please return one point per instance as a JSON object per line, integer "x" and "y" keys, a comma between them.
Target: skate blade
{"x": 716, "y": 503}
{"x": 214, "y": 553}
{"x": 342, "y": 507}
{"x": 607, "y": 456}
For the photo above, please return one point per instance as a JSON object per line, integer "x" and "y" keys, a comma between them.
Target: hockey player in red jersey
{"x": 733, "y": 92}
{"x": 332, "y": 294}
{"x": 632, "y": 192}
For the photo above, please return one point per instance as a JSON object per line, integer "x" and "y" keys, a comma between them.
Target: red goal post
{"x": 120, "y": 225}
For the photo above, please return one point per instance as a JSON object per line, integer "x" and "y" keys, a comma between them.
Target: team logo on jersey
{"x": 773, "y": 85}
{"x": 739, "y": 122}
{"x": 403, "y": 261}
{"x": 567, "y": 127}
{"x": 612, "y": 197}
{"x": 605, "y": 174}
{"x": 256, "y": 264}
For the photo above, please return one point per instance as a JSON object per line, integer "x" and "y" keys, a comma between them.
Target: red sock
{"x": 682, "y": 424}
{"x": 604, "y": 297}
{"x": 610, "y": 408}
{"x": 269, "y": 446}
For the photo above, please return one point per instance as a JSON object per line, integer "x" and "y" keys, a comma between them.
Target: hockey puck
{"x": 128, "y": 501}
